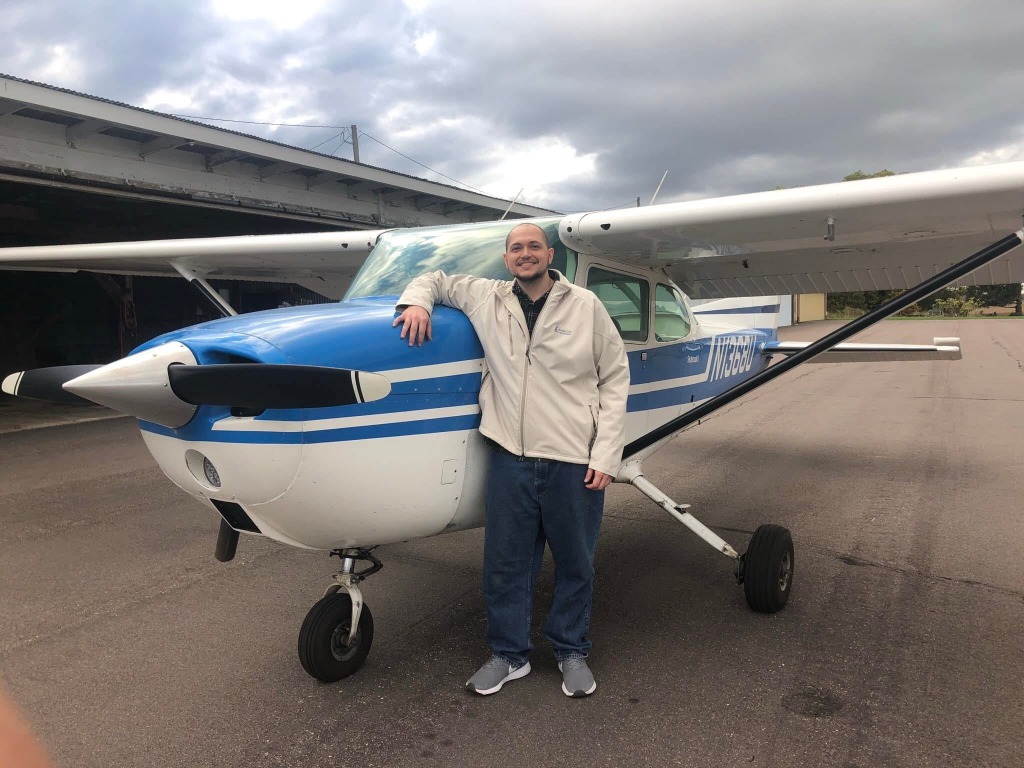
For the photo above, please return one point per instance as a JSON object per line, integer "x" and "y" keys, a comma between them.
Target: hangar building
{"x": 76, "y": 169}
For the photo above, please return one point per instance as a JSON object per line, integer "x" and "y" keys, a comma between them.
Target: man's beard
{"x": 533, "y": 278}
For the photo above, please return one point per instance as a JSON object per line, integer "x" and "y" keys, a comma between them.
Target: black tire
{"x": 322, "y": 638}
{"x": 768, "y": 567}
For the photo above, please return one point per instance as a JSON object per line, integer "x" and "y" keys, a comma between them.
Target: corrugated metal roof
{"x": 241, "y": 134}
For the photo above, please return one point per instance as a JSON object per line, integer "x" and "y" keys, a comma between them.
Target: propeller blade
{"x": 261, "y": 386}
{"x": 47, "y": 383}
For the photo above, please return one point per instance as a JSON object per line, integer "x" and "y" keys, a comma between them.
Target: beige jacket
{"x": 560, "y": 395}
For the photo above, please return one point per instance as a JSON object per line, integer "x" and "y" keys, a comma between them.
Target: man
{"x": 553, "y": 401}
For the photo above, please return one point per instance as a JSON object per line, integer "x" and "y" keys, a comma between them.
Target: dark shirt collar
{"x": 524, "y": 296}
{"x": 531, "y": 308}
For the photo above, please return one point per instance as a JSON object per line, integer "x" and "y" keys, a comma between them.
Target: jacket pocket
{"x": 593, "y": 427}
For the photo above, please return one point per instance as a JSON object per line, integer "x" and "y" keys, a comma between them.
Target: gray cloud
{"x": 730, "y": 97}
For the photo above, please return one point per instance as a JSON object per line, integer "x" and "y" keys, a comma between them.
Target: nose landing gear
{"x": 337, "y": 633}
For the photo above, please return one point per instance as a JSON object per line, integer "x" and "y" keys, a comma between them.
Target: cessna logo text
{"x": 732, "y": 355}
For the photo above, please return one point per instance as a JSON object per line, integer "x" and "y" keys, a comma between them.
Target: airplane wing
{"x": 324, "y": 262}
{"x": 874, "y": 234}
{"x": 866, "y": 235}
{"x": 940, "y": 349}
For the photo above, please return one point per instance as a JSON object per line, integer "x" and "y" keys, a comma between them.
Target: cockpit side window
{"x": 671, "y": 320}
{"x": 627, "y": 300}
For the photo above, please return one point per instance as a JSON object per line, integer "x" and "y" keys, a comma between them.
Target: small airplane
{"x": 319, "y": 427}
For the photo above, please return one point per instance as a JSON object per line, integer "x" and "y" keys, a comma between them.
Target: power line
{"x": 335, "y": 136}
{"x": 342, "y": 128}
{"x": 255, "y": 122}
{"x": 432, "y": 170}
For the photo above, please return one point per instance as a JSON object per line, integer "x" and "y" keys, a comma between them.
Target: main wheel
{"x": 768, "y": 569}
{"x": 324, "y": 649}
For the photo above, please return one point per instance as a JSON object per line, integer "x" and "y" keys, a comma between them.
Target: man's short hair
{"x": 543, "y": 234}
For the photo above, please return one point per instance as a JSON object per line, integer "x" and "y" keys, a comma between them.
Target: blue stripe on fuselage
{"x": 342, "y": 434}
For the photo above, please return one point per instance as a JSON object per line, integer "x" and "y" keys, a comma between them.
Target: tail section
{"x": 739, "y": 314}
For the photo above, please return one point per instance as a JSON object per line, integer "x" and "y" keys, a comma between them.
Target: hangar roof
{"x": 59, "y": 138}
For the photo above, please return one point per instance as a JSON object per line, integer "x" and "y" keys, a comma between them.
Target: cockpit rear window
{"x": 473, "y": 249}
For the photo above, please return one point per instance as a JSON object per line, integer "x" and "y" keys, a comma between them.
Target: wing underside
{"x": 322, "y": 261}
{"x": 875, "y": 234}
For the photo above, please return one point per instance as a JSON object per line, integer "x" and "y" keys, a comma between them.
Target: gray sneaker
{"x": 577, "y": 679}
{"x": 495, "y": 673}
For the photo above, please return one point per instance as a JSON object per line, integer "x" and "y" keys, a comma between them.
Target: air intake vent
{"x": 235, "y": 516}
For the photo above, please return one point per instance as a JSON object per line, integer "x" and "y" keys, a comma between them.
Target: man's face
{"x": 527, "y": 256}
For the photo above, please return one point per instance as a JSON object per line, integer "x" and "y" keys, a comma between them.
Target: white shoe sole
{"x": 576, "y": 694}
{"x": 515, "y": 674}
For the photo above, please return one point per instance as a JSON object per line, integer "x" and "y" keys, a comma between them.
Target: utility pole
{"x": 355, "y": 143}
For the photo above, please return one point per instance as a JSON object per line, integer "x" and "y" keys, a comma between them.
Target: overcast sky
{"x": 583, "y": 104}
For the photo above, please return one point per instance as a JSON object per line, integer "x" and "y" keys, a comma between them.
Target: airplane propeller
{"x": 166, "y": 384}
{"x": 268, "y": 386}
{"x": 47, "y": 383}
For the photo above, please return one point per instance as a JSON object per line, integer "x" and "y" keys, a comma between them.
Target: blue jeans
{"x": 529, "y": 503}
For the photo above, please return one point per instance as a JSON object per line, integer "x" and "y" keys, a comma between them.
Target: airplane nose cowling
{"x": 138, "y": 385}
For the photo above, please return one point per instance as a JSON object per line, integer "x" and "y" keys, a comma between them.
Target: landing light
{"x": 202, "y": 469}
{"x": 212, "y": 476}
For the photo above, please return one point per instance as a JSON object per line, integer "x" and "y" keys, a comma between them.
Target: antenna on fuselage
{"x": 514, "y": 202}
{"x": 655, "y": 196}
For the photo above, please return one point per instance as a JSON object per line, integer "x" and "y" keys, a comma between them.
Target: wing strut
{"x": 197, "y": 281}
{"x": 891, "y": 307}
{"x": 766, "y": 569}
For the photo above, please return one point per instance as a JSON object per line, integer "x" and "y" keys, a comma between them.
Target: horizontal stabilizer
{"x": 940, "y": 349}
{"x": 264, "y": 386}
{"x": 47, "y": 383}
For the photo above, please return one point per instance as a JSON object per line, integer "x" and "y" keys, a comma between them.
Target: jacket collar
{"x": 560, "y": 287}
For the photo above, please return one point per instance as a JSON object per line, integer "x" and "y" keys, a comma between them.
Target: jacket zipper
{"x": 526, "y": 379}
{"x": 522, "y": 406}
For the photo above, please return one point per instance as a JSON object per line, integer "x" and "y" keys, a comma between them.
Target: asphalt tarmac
{"x": 127, "y": 644}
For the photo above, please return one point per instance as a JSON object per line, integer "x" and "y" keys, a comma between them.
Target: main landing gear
{"x": 765, "y": 570}
{"x": 337, "y": 633}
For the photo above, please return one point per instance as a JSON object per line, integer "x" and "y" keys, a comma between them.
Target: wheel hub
{"x": 785, "y": 572}
{"x": 341, "y": 649}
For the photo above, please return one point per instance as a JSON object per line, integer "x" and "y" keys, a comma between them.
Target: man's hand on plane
{"x": 416, "y": 324}
{"x": 597, "y": 481}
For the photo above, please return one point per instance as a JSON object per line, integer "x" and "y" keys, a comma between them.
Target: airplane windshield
{"x": 475, "y": 249}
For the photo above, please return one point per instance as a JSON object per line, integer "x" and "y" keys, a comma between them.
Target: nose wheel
{"x": 328, "y": 649}
{"x": 337, "y": 633}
